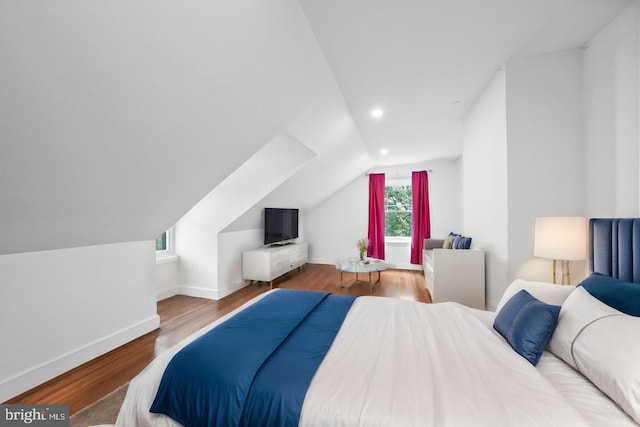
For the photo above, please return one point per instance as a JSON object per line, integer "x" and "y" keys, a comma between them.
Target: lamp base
{"x": 566, "y": 276}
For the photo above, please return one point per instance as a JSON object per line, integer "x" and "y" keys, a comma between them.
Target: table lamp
{"x": 561, "y": 238}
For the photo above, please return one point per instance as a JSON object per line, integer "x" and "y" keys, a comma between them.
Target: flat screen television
{"x": 280, "y": 225}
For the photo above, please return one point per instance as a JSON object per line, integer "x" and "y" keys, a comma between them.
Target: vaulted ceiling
{"x": 425, "y": 62}
{"x": 117, "y": 117}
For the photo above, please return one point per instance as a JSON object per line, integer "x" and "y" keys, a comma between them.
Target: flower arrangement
{"x": 363, "y": 244}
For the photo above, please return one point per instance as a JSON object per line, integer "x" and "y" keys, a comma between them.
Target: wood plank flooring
{"x": 181, "y": 315}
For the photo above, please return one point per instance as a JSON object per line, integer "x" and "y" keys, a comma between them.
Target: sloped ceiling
{"x": 117, "y": 117}
{"x": 425, "y": 62}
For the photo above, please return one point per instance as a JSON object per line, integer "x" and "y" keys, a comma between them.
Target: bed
{"x": 391, "y": 362}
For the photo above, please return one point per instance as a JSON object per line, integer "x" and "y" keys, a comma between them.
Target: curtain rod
{"x": 396, "y": 173}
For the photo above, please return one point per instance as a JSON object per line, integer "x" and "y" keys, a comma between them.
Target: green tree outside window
{"x": 161, "y": 242}
{"x": 398, "y": 209}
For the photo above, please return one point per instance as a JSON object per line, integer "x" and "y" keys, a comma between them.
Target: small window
{"x": 165, "y": 247}
{"x": 161, "y": 242}
{"x": 397, "y": 210}
{"x": 164, "y": 242}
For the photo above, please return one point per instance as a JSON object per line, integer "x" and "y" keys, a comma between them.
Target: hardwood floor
{"x": 181, "y": 315}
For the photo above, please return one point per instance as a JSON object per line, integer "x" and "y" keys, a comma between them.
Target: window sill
{"x": 162, "y": 258}
{"x": 397, "y": 241}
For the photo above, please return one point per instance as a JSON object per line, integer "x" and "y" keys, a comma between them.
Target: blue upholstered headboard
{"x": 614, "y": 247}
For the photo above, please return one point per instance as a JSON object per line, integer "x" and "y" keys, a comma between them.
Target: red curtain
{"x": 376, "y": 216}
{"x": 421, "y": 221}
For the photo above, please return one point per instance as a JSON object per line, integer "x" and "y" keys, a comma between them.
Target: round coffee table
{"x": 357, "y": 266}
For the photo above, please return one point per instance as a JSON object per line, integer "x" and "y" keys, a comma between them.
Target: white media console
{"x": 266, "y": 264}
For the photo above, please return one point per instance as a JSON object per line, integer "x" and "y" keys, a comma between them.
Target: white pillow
{"x": 578, "y": 310}
{"x": 602, "y": 343}
{"x": 545, "y": 292}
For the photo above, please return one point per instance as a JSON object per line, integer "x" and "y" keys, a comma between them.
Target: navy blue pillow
{"x": 527, "y": 324}
{"x": 621, "y": 295}
{"x": 466, "y": 243}
{"x": 461, "y": 242}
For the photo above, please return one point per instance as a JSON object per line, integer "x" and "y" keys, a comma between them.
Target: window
{"x": 161, "y": 242}
{"x": 165, "y": 248}
{"x": 397, "y": 210}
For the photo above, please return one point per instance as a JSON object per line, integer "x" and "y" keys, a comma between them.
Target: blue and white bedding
{"x": 401, "y": 363}
{"x": 255, "y": 368}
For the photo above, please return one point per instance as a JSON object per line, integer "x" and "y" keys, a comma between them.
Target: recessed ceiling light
{"x": 384, "y": 151}
{"x": 377, "y": 113}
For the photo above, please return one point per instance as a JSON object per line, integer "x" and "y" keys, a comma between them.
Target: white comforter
{"x": 400, "y": 363}
{"x": 405, "y": 364}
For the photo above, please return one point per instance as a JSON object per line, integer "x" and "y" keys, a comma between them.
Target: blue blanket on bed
{"x": 254, "y": 369}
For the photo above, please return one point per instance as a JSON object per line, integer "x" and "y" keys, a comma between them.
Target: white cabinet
{"x": 266, "y": 264}
{"x": 455, "y": 275}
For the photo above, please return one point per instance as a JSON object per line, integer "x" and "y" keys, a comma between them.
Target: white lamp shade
{"x": 563, "y": 238}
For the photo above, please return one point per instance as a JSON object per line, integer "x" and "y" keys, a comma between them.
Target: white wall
{"x": 226, "y": 264}
{"x": 167, "y": 279}
{"x": 59, "y": 309}
{"x": 198, "y": 230}
{"x": 304, "y": 104}
{"x": 611, "y": 112}
{"x": 523, "y": 158}
{"x": 333, "y": 228}
{"x": 570, "y": 148}
{"x": 97, "y": 103}
{"x": 445, "y": 193}
{"x": 485, "y": 207}
{"x": 545, "y": 154}
{"x": 230, "y": 248}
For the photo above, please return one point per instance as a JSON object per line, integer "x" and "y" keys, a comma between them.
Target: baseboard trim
{"x": 322, "y": 261}
{"x": 29, "y": 378}
{"x": 168, "y": 293}
{"x": 404, "y": 266}
{"x": 192, "y": 291}
{"x": 228, "y": 290}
